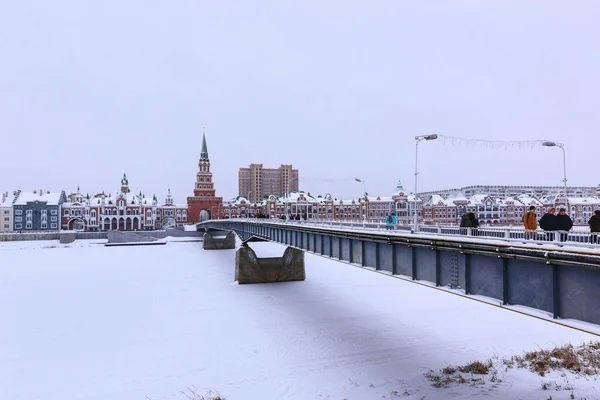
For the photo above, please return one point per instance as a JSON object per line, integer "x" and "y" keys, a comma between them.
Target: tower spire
{"x": 204, "y": 152}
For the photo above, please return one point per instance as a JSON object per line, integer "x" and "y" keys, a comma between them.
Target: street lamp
{"x": 364, "y": 194}
{"x": 249, "y": 202}
{"x": 418, "y": 139}
{"x": 562, "y": 147}
{"x": 287, "y": 196}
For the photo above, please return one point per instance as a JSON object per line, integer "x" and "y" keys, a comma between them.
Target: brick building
{"x": 204, "y": 204}
{"x": 121, "y": 210}
{"x": 256, "y": 183}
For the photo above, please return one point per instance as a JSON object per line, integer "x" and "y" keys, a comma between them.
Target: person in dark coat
{"x": 548, "y": 223}
{"x": 474, "y": 223}
{"x": 468, "y": 220}
{"x": 594, "y": 223}
{"x": 563, "y": 223}
{"x": 465, "y": 223}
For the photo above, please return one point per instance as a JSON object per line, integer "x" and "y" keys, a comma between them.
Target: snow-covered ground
{"x": 88, "y": 322}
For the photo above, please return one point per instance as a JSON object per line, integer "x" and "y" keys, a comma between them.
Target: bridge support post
{"x": 504, "y": 281}
{"x": 467, "y": 274}
{"x": 394, "y": 262}
{"x": 438, "y": 268}
{"x": 413, "y": 259}
{"x": 251, "y": 269}
{"x": 555, "y": 291}
{"x": 219, "y": 241}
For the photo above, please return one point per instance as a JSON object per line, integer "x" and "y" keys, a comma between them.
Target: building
{"x": 432, "y": 209}
{"x": 37, "y": 210}
{"x": 6, "y": 213}
{"x": 504, "y": 191}
{"x": 170, "y": 214}
{"x": 121, "y": 210}
{"x": 204, "y": 204}
{"x": 257, "y": 183}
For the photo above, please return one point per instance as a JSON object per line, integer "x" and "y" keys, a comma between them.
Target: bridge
{"x": 560, "y": 281}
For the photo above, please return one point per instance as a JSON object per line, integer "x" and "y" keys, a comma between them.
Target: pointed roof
{"x": 204, "y": 152}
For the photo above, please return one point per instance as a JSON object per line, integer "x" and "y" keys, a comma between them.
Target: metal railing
{"x": 578, "y": 238}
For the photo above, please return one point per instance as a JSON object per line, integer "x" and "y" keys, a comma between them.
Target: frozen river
{"x": 89, "y": 322}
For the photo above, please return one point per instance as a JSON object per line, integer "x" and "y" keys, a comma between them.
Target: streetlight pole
{"x": 562, "y": 147}
{"x": 418, "y": 139}
{"x": 249, "y": 202}
{"x": 365, "y": 195}
{"x": 287, "y": 197}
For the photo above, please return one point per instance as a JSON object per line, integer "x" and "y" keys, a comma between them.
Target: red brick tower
{"x": 204, "y": 204}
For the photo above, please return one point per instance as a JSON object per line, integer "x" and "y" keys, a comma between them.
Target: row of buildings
{"x": 274, "y": 194}
{"x": 430, "y": 208}
{"x": 40, "y": 210}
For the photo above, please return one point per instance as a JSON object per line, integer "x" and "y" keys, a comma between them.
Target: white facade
{"x": 121, "y": 210}
{"x": 6, "y": 213}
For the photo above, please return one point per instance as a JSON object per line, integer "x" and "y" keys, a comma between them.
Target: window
{"x": 28, "y": 225}
{"x": 44, "y": 212}
{"x": 53, "y": 226}
{"x": 18, "y": 212}
{"x": 53, "y": 219}
{"x": 6, "y": 212}
{"x": 28, "y": 212}
{"x": 6, "y": 226}
{"x": 18, "y": 219}
{"x": 18, "y": 226}
{"x": 53, "y": 212}
{"x": 44, "y": 225}
{"x": 6, "y": 219}
{"x": 66, "y": 212}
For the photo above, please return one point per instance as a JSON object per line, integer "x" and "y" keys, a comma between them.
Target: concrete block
{"x": 251, "y": 269}
{"x": 219, "y": 241}
{"x": 129, "y": 237}
{"x": 67, "y": 237}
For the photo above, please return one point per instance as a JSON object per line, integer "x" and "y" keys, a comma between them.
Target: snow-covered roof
{"x": 583, "y": 201}
{"x": 50, "y": 198}
{"x": 7, "y": 202}
{"x": 380, "y": 199}
{"x": 527, "y": 200}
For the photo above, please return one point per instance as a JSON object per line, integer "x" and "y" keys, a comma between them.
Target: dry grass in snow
{"x": 581, "y": 360}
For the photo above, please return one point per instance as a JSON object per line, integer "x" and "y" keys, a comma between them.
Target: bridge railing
{"x": 505, "y": 233}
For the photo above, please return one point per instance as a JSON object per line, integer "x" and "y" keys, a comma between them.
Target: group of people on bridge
{"x": 551, "y": 223}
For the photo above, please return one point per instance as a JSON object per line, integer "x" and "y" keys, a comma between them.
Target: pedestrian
{"x": 548, "y": 223}
{"x": 474, "y": 223}
{"x": 563, "y": 223}
{"x": 594, "y": 223}
{"x": 468, "y": 220}
{"x": 530, "y": 223}
{"x": 465, "y": 222}
{"x": 388, "y": 222}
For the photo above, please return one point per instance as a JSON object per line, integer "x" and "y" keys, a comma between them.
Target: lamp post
{"x": 287, "y": 197}
{"x": 249, "y": 202}
{"x": 364, "y": 194}
{"x": 562, "y": 147}
{"x": 418, "y": 139}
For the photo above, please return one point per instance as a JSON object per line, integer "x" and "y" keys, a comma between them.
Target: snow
{"x": 266, "y": 249}
{"x": 51, "y": 198}
{"x": 81, "y": 321}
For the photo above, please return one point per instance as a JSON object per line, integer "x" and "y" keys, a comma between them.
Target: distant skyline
{"x": 337, "y": 89}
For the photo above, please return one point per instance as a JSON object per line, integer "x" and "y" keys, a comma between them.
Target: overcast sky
{"x": 339, "y": 89}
